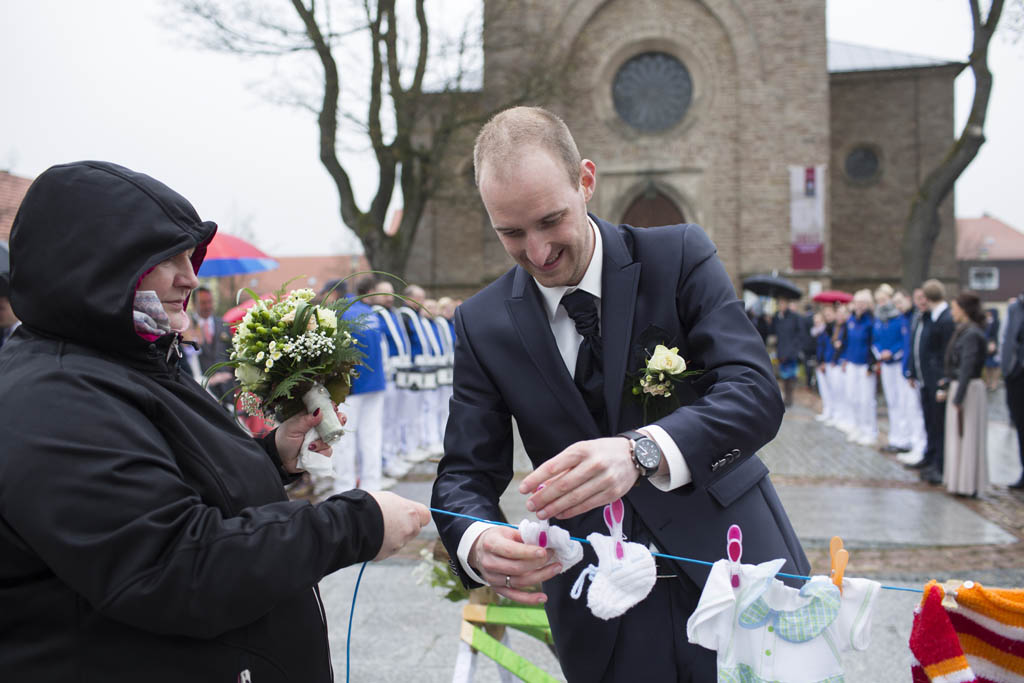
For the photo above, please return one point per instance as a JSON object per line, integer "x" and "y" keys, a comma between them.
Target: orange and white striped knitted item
{"x": 990, "y": 624}
{"x": 988, "y": 627}
{"x": 938, "y": 657}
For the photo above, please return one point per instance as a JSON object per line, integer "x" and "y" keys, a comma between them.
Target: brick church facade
{"x": 700, "y": 111}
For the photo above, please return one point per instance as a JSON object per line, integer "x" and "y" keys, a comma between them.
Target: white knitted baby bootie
{"x": 625, "y": 573}
{"x": 567, "y": 551}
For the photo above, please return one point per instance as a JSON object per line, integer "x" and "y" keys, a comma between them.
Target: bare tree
{"x": 923, "y": 225}
{"x": 409, "y": 126}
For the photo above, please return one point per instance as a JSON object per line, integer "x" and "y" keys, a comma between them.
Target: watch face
{"x": 648, "y": 454}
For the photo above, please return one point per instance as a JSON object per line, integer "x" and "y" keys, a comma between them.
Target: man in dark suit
{"x": 1011, "y": 358}
{"x": 561, "y": 368}
{"x": 214, "y": 339}
{"x": 925, "y": 368}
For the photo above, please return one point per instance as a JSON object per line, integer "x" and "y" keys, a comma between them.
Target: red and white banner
{"x": 807, "y": 216}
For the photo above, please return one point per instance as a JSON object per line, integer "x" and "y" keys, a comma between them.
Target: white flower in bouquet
{"x": 667, "y": 360}
{"x": 328, "y": 320}
{"x": 249, "y": 375}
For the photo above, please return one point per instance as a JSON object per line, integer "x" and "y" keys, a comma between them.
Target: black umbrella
{"x": 773, "y": 286}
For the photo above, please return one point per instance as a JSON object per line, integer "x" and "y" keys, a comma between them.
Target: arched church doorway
{"x": 652, "y": 208}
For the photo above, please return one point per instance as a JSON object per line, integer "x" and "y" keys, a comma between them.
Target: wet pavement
{"x": 903, "y": 532}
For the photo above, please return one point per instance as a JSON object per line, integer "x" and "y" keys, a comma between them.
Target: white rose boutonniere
{"x": 666, "y": 360}
{"x": 657, "y": 379}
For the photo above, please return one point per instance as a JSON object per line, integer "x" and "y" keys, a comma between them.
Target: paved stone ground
{"x": 900, "y": 532}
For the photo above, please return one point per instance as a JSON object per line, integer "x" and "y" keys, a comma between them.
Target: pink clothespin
{"x": 734, "y": 549}
{"x": 614, "y": 513}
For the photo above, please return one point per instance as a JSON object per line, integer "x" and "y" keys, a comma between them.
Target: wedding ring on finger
{"x": 508, "y": 581}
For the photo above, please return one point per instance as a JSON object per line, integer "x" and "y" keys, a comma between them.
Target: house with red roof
{"x": 990, "y": 256}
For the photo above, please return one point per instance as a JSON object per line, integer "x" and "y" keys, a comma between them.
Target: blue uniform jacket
{"x": 908, "y": 338}
{"x": 858, "y": 339}
{"x": 369, "y": 335}
{"x": 826, "y": 352}
{"x": 393, "y": 347}
{"x": 888, "y": 335}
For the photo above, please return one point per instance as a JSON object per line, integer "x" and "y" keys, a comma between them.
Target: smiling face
{"x": 172, "y": 280}
{"x": 540, "y": 216}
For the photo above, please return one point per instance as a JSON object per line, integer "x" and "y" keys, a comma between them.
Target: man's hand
{"x": 403, "y": 520}
{"x": 586, "y": 475}
{"x": 290, "y": 434}
{"x": 913, "y": 382}
{"x": 886, "y": 355}
{"x": 500, "y": 553}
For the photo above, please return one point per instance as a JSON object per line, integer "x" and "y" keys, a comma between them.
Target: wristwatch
{"x": 645, "y": 452}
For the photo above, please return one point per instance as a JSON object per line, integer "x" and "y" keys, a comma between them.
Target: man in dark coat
{"x": 562, "y": 366}
{"x": 925, "y": 367}
{"x": 213, "y": 337}
{"x": 789, "y": 330}
{"x": 1012, "y": 365}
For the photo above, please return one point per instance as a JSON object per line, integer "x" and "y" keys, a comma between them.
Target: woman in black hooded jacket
{"x": 143, "y": 535}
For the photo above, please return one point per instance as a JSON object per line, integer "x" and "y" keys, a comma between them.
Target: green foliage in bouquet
{"x": 287, "y": 343}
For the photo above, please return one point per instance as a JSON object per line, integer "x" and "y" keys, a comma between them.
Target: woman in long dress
{"x": 966, "y": 467}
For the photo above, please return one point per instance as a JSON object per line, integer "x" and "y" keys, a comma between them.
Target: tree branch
{"x": 328, "y": 119}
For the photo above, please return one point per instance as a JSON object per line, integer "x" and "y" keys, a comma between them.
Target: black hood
{"x": 84, "y": 236}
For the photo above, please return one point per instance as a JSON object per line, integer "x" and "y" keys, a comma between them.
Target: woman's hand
{"x": 403, "y": 520}
{"x": 290, "y": 434}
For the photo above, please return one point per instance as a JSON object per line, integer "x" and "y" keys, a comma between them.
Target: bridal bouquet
{"x": 291, "y": 354}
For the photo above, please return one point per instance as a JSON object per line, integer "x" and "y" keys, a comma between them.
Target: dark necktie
{"x": 589, "y": 378}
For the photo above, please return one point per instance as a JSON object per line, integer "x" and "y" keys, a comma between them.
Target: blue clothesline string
{"x": 667, "y": 557}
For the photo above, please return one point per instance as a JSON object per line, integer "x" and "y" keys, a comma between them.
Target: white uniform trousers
{"x": 842, "y": 397}
{"x": 863, "y": 388}
{"x": 914, "y": 416}
{"x": 821, "y": 373}
{"x": 430, "y": 427}
{"x": 892, "y": 387}
{"x": 393, "y": 447}
{"x": 357, "y": 455}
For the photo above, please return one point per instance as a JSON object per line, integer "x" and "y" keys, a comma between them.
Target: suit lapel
{"x": 619, "y": 280}
{"x": 530, "y": 319}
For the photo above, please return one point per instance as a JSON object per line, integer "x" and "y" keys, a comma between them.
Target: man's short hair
{"x": 336, "y": 287}
{"x": 203, "y": 288}
{"x": 364, "y": 286}
{"x": 933, "y": 290}
{"x": 508, "y": 133}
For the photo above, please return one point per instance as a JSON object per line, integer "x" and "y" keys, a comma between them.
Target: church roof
{"x": 987, "y": 238}
{"x": 845, "y": 57}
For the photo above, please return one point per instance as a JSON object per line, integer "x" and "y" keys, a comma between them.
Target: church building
{"x": 795, "y": 154}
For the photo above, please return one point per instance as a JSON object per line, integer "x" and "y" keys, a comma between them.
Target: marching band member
{"x": 399, "y": 401}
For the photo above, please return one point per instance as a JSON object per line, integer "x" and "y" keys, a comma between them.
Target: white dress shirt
{"x": 568, "y": 341}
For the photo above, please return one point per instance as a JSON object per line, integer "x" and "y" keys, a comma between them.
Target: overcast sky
{"x": 107, "y": 79}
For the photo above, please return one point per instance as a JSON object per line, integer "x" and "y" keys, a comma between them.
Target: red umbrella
{"x": 233, "y": 315}
{"x": 230, "y": 255}
{"x": 831, "y": 296}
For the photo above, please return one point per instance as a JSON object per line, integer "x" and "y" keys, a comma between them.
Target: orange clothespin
{"x": 840, "y": 558}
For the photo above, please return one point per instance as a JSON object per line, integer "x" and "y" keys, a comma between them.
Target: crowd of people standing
{"x": 935, "y": 359}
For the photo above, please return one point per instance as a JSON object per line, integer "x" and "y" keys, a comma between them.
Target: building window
{"x": 983, "y": 278}
{"x": 862, "y": 164}
{"x": 652, "y": 91}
